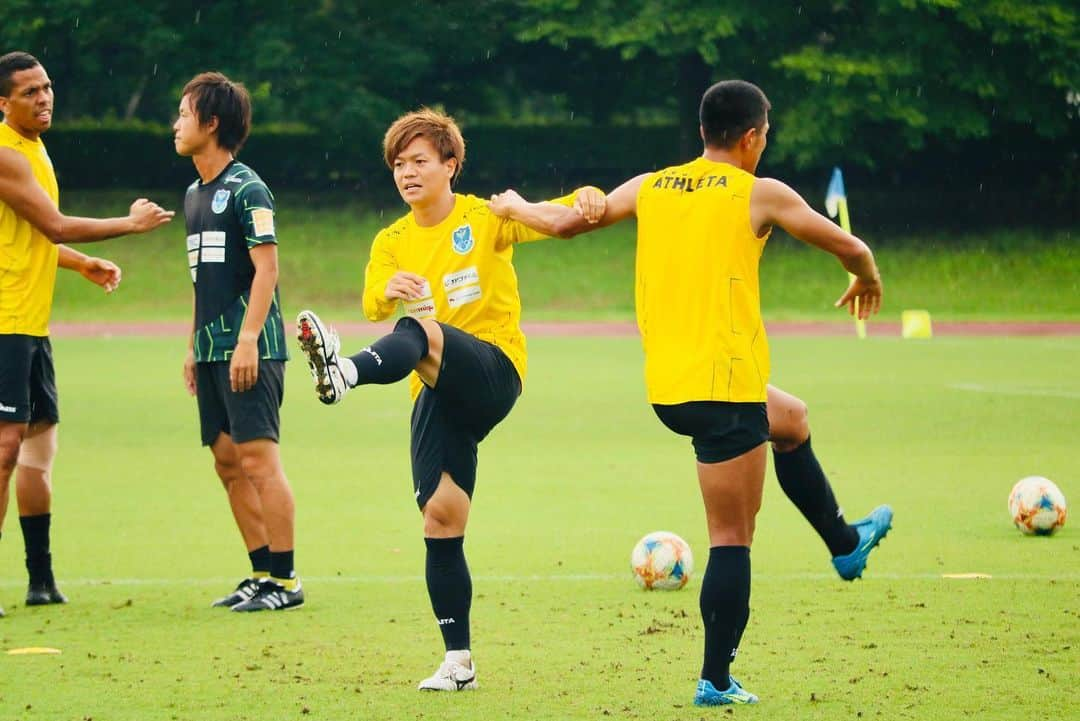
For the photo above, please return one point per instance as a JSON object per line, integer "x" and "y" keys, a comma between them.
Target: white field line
{"x": 539, "y": 578}
{"x": 1014, "y": 390}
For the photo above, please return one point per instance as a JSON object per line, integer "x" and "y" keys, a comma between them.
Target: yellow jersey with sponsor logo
{"x": 27, "y": 257}
{"x": 697, "y": 297}
{"x": 467, "y": 262}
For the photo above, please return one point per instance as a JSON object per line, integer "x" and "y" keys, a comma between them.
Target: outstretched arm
{"x": 96, "y": 270}
{"x": 591, "y": 209}
{"x": 774, "y": 203}
{"x": 20, "y": 190}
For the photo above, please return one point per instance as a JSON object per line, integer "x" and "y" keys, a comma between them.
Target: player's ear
{"x": 452, "y": 167}
{"x": 701, "y": 132}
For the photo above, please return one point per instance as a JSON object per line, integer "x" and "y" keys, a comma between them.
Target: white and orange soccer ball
{"x": 1037, "y": 506}
{"x": 662, "y": 561}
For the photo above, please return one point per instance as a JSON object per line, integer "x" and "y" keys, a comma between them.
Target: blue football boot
{"x": 871, "y": 530}
{"x": 707, "y": 695}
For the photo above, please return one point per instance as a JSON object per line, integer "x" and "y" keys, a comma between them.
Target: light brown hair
{"x": 439, "y": 129}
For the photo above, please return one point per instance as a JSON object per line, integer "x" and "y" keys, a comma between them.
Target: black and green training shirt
{"x": 226, "y": 218}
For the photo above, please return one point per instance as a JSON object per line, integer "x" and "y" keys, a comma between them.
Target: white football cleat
{"x": 320, "y": 347}
{"x": 451, "y": 676}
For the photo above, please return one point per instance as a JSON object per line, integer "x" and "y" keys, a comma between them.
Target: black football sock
{"x": 804, "y": 482}
{"x": 281, "y": 569}
{"x": 450, "y": 589}
{"x": 725, "y": 609}
{"x": 35, "y": 531}
{"x": 260, "y": 562}
{"x": 393, "y": 356}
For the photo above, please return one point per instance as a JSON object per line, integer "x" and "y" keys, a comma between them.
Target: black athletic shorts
{"x": 720, "y": 431}
{"x": 27, "y": 380}
{"x": 477, "y": 387}
{"x": 244, "y": 416}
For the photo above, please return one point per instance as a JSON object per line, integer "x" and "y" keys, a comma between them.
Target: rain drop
{"x": 198, "y": 14}
{"x": 76, "y": 22}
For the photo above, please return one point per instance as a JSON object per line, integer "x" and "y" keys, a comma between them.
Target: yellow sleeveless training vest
{"x": 697, "y": 296}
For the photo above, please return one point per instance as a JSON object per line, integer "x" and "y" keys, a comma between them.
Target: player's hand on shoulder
{"x": 590, "y": 202}
{"x": 147, "y": 215}
{"x": 102, "y": 272}
{"x": 404, "y": 285}
{"x": 502, "y": 204}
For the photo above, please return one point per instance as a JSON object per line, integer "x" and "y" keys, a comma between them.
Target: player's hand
{"x": 146, "y": 215}
{"x": 189, "y": 373}
{"x": 244, "y": 366}
{"x": 404, "y": 285}
{"x": 101, "y": 272}
{"x": 864, "y": 295}
{"x": 502, "y": 204}
{"x": 590, "y": 203}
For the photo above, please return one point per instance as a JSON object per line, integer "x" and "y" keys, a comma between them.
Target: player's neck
{"x": 210, "y": 162}
{"x": 434, "y": 212}
{"x": 723, "y": 155}
{"x": 31, "y": 135}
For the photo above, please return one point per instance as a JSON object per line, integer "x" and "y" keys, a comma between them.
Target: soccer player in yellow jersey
{"x": 702, "y": 227}
{"x": 32, "y": 231}
{"x": 448, "y": 264}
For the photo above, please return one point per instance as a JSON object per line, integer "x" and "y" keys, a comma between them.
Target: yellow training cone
{"x": 915, "y": 324}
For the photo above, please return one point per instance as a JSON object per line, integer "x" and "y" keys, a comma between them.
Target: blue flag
{"x": 835, "y": 193}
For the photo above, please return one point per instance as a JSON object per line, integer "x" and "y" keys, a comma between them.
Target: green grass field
{"x": 143, "y": 540}
{"x": 1020, "y": 275}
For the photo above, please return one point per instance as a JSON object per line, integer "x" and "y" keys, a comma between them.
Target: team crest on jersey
{"x": 220, "y": 202}
{"x": 462, "y": 239}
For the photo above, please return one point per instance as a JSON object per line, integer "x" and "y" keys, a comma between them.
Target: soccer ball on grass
{"x": 662, "y": 561}
{"x": 1037, "y": 506}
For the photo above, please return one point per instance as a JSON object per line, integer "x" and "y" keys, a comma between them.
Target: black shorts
{"x": 27, "y": 380}
{"x": 720, "y": 431}
{"x": 244, "y": 416}
{"x": 477, "y": 387}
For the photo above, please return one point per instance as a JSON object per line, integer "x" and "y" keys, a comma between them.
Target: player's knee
{"x": 442, "y": 518}
{"x": 11, "y": 436}
{"x": 38, "y": 449}
{"x": 255, "y": 467}
{"x": 227, "y": 471}
{"x": 794, "y": 427}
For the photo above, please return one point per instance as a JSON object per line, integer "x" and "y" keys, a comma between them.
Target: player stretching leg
{"x": 713, "y": 387}
{"x": 448, "y": 263}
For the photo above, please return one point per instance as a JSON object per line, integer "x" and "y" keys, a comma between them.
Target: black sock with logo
{"x": 725, "y": 609}
{"x": 450, "y": 589}
{"x": 805, "y": 483}
{"x": 393, "y": 356}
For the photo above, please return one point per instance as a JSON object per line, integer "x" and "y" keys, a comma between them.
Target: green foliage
{"x": 868, "y": 82}
{"x": 865, "y": 81}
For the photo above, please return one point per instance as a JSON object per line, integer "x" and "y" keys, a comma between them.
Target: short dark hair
{"x": 215, "y": 96}
{"x": 730, "y": 108}
{"x": 12, "y": 63}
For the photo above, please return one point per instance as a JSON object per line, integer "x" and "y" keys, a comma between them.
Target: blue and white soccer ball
{"x": 662, "y": 561}
{"x": 1037, "y": 506}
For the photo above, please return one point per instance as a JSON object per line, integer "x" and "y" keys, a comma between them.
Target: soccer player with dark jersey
{"x": 33, "y": 232}
{"x": 448, "y": 263}
{"x": 236, "y": 354}
{"x": 706, "y": 354}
